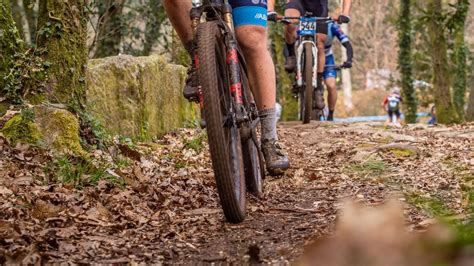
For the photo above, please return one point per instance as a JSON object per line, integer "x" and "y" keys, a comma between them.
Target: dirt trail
{"x": 168, "y": 211}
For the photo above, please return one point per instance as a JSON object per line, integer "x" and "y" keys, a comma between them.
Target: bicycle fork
{"x": 299, "y": 67}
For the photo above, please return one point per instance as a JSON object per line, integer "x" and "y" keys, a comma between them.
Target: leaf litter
{"x": 161, "y": 206}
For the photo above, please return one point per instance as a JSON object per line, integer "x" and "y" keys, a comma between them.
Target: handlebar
{"x": 335, "y": 67}
{"x": 288, "y": 20}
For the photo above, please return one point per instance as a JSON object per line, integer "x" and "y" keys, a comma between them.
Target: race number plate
{"x": 307, "y": 26}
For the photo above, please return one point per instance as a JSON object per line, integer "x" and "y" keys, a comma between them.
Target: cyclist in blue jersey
{"x": 330, "y": 73}
{"x": 250, "y": 22}
{"x": 318, "y": 8}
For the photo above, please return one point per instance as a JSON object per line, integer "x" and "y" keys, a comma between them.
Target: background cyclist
{"x": 330, "y": 73}
{"x": 250, "y": 21}
{"x": 392, "y": 104}
{"x": 318, "y": 8}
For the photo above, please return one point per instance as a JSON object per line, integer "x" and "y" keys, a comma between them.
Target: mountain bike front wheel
{"x": 223, "y": 133}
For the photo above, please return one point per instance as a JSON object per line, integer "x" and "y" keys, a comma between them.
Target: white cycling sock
{"x": 268, "y": 123}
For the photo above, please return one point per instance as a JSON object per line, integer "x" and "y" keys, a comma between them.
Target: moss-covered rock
{"x": 51, "y": 128}
{"x": 60, "y": 129}
{"x": 140, "y": 97}
{"x": 19, "y": 129}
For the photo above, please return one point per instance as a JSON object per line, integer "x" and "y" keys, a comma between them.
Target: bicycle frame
{"x": 212, "y": 8}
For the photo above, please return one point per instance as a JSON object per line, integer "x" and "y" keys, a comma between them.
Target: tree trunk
{"x": 110, "y": 28}
{"x": 460, "y": 53}
{"x": 445, "y": 110}
{"x": 31, "y": 17}
{"x": 470, "y": 108}
{"x": 10, "y": 44}
{"x": 405, "y": 61}
{"x": 346, "y": 77}
{"x": 62, "y": 27}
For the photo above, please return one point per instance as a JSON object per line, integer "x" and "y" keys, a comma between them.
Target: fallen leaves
{"x": 166, "y": 210}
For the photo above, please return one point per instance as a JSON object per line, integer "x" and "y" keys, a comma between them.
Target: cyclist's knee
{"x": 252, "y": 39}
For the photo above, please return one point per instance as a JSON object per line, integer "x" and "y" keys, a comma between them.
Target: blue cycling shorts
{"x": 331, "y": 72}
{"x": 249, "y": 12}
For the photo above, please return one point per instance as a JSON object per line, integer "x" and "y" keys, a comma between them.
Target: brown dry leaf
{"x": 43, "y": 209}
{"x": 139, "y": 174}
{"x": 169, "y": 212}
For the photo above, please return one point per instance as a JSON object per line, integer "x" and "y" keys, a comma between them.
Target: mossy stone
{"x": 138, "y": 97}
{"x": 51, "y": 128}
{"x": 20, "y": 130}
{"x": 60, "y": 129}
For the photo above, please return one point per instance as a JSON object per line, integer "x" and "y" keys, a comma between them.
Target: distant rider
{"x": 318, "y": 8}
{"x": 392, "y": 104}
{"x": 330, "y": 73}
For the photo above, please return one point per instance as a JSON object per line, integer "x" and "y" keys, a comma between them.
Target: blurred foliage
{"x": 452, "y": 20}
{"x": 284, "y": 80}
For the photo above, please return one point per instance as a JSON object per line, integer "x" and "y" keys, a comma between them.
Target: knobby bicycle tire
{"x": 254, "y": 166}
{"x": 308, "y": 83}
{"x": 224, "y": 140}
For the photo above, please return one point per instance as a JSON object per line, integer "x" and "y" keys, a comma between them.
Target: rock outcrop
{"x": 49, "y": 127}
{"x": 140, "y": 97}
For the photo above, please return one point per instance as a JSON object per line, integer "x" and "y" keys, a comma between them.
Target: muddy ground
{"x": 161, "y": 204}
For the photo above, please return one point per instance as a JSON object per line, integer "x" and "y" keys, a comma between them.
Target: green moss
{"x": 65, "y": 41}
{"x": 402, "y": 152}
{"x": 143, "y": 93}
{"x": 19, "y": 129}
{"x": 36, "y": 98}
{"x": 61, "y": 130}
{"x": 11, "y": 46}
{"x": 434, "y": 207}
{"x": 4, "y": 108}
{"x": 369, "y": 168}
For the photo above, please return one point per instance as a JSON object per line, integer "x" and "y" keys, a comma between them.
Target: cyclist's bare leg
{"x": 321, "y": 39}
{"x": 332, "y": 96}
{"x": 178, "y": 12}
{"x": 253, "y": 41}
{"x": 290, "y": 39}
{"x": 332, "y": 93}
{"x": 290, "y": 30}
